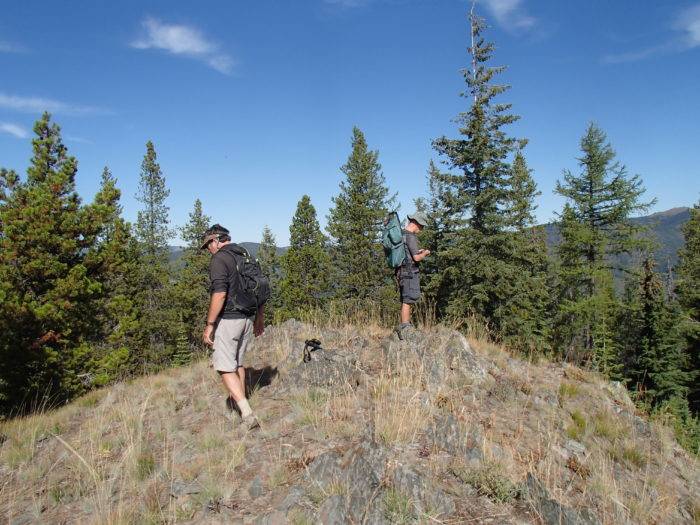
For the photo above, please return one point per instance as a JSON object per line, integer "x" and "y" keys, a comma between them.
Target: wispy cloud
{"x": 9, "y": 47}
{"x": 39, "y": 104}
{"x": 348, "y": 3}
{"x": 80, "y": 140}
{"x": 510, "y": 14}
{"x": 687, "y": 36}
{"x": 185, "y": 41}
{"x": 14, "y": 130}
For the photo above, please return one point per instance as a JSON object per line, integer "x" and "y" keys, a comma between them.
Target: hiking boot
{"x": 250, "y": 422}
{"x": 403, "y": 330}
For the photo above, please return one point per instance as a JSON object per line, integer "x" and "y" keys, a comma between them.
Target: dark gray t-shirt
{"x": 222, "y": 273}
{"x": 412, "y": 249}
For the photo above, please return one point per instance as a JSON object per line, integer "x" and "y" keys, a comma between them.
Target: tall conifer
{"x": 305, "y": 266}
{"x": 191, "y": 286}
{"x": 153, "y": 232}
{"x": 269, "y": 262}
{"x": 47, "y": 289}
{"x": 355, "y": 222}
{"x": 595, "y": 226}
{"x": 688, "y": 291}
{"x": 484, "y": 257}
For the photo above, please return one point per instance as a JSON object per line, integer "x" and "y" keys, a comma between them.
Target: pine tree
{"x": 523, "y": 319}
{"x": 190, "y": 292}
{"x": 688, "y": 292}
{"x": 269, "y": 262}
{"x": 355, "y": 222}
{"x": 658, "y": 369}
{"x": 434, "y": 282}
{"x": 115, "y": 258}
{"x": 153, "y": 232}
{"x": 594, "y": 226}
{"x": 486, "y": 265}
{"x": 305, "y": 266}
{"x": 47, "y": 292}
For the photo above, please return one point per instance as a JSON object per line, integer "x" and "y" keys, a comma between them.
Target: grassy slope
{"x": 164, "y": 449}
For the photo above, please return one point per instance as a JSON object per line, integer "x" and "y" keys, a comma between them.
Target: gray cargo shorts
{"x": 231, "y": 340}
{"x": 409, "y": 287}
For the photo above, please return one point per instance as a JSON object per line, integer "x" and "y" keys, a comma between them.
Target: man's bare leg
{"x": 405, "y": 313}
{"x": 232, "y": 382}
{"x": 241, "y": 375}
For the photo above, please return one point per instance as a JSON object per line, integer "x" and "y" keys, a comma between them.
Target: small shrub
{"x": 567, "y": 391}
{"x": 629, "y": 454}
{"x": 398, "y": 507}
{"x": 489, "y": 480}
{"x": 606, "y": 427}
{"x": 145, "y": 465}
{"x": 578, "y": 428}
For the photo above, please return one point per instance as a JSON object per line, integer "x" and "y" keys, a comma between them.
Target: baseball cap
{"x": 213, "y": 232}
{"x": 419, "y": 217}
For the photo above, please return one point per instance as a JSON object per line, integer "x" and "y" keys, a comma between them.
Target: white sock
{"x": 244, "y": 407}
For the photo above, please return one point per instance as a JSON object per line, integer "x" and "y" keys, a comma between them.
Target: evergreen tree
{"x": 595, "y": 227}
{"x": 153, "y": 232}
{"x": 355, "y": 222}
{"x": 488, "y": 269}
{"x": 523, "y": 319}
{"x": 47, "y": 292}
{"x": 191, "y": 291}
{"x": 115, "y": 259}
{"x": 267, "y": 255}
{"x": 433, "y": 237}
{"x": 688, "y": 291}
{"x": 658, "y": 369}
{"x": 305, "y": 266}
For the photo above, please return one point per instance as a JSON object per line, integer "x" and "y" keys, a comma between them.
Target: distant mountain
{"x": 252, "y": 247}
{"x": 664, "y": 229}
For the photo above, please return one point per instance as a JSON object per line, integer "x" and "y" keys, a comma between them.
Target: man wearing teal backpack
{"x": 407, "y": 275}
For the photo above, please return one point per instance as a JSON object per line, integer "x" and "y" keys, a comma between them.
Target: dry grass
{"x": 116, "y": 454}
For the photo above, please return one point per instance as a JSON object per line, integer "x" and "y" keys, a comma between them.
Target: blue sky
{"x": 251, "y": 104}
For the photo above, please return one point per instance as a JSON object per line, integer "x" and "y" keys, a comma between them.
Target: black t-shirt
{"x": 222, "y": 273}
{"x": 412, "y": 249}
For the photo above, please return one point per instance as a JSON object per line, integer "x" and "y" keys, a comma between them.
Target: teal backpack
{"x": 392, "y": 241}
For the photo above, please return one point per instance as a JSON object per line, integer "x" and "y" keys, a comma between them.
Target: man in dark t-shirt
{"x": 407, "y": 275}
{"x": 228, "y": 329}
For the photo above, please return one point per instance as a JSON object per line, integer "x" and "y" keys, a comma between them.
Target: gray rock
{"x": 256, "y": 488}
{"x": 446, "y": 433}
{"x": 425, "y": 496}
{"x": 333, "y": 511}
{"x": 358, "y": 472}
{"x": 326, "y": 369}
{"x": 551, "y": 511}
{"x": 275, "y": 517}
{"x": 293, "y": 497}
{"x": 181, "y": 488}
{"x": 574, "y": 447}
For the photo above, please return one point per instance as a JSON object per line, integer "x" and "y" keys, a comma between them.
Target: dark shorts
{"x": 409, "y": 288}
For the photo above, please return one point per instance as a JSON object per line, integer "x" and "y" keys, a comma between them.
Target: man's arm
{"x": 422, "y": 254}
{"x": 216, "y": 303}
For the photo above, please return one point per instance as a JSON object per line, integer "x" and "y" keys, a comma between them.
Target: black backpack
{"x": 250, "y": 288}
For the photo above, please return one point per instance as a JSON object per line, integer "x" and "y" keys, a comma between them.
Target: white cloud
{"x": 14, "y": 130}
{"x": 688, "y": 22}
{"x": 183, "y": 40}
{"x": 687, "y": 27}
{"x": 38, "y": 105}
{"x": 510, "y": 14}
